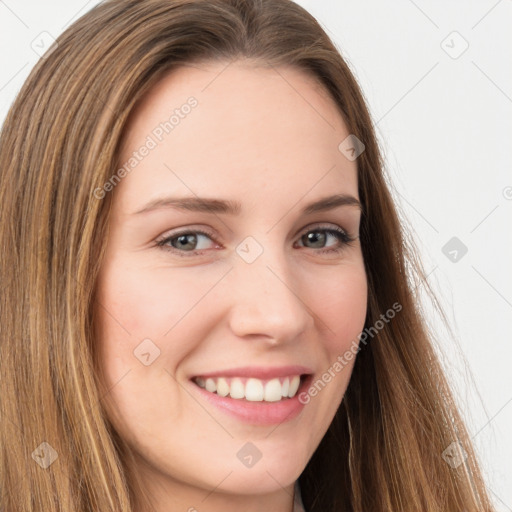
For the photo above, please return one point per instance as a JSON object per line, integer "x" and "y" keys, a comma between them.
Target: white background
{"x": 445, "y": 125}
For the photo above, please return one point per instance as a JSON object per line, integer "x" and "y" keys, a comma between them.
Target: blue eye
{"x": 185, "y": 243}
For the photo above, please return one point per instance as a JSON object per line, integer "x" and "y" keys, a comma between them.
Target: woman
{"x": 249, "y": 370}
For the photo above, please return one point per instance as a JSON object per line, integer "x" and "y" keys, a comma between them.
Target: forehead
{"x": 252, "y": 128}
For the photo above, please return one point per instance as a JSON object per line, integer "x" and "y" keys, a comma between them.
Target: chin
{"x": 262, "y": 480}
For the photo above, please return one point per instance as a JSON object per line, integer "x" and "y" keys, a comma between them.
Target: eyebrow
{"x": 200, "y": 204}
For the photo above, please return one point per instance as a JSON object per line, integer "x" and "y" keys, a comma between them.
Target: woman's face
{"x": 245, "y": 295}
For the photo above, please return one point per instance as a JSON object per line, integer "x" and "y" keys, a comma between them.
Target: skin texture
{"x": 267, "y": 137}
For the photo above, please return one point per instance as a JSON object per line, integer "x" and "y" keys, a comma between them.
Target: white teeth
{"x": 273, "y": 391}
{"x": 210, "y": 385}
{"x": 285, "y": 387}
{"x": 254, "y": 390}
{"x": 294, "y": 386}
{"x": 222, "y": 387}
{"x": 237, "y": 389}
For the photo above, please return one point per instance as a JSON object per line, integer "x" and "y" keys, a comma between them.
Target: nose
{"x": 267, "y": 300}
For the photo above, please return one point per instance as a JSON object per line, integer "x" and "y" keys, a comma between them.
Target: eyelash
{"x": 340, "y": 234}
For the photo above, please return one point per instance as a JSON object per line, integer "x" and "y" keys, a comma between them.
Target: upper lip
{"x": 258, "y": 372}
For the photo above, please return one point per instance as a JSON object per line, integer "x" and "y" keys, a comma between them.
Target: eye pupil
{"x": 315, "y": 237}
{"x": 181, "y": 240}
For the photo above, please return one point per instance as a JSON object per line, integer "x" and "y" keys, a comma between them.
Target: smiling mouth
{"x": 252, "y": 389}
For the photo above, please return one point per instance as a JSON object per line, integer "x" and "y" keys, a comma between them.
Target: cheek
{"x": 135, "y": 308}
{"x": 144, "y": 303}
{"x": 130, "y": 311}
{"x": 340, "y": 302}
{"x": 137, "y": 303}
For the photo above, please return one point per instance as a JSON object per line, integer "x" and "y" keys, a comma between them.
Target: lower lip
{"x": 257, "y": 413}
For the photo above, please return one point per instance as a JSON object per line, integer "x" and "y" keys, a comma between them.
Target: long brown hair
{"x": 60, "y": 142}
